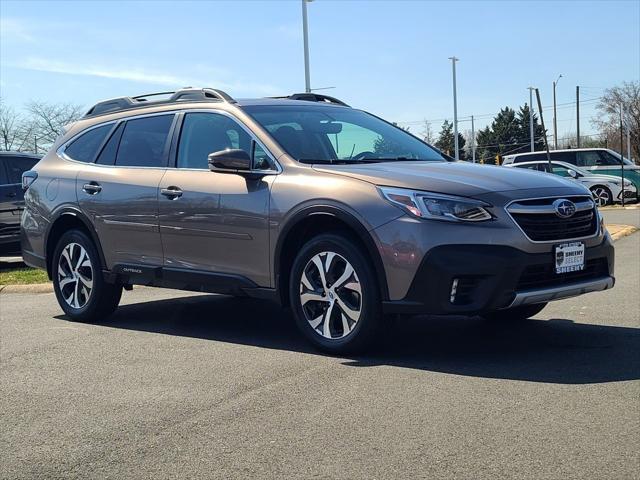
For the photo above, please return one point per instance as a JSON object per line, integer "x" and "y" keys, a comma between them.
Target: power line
{"x": 559, "y": 106}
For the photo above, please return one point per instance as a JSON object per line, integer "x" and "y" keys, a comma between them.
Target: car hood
{"x": 454, "y": 178}
{"x": 601, "y": 178}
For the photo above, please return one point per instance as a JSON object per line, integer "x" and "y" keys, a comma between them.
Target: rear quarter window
{"x": 86, "y": 146}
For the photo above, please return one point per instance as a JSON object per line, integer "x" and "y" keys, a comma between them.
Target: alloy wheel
{"x": 75, "y": 275}
{"x": 601, "y": 196}
{"x": 331, "y": 295}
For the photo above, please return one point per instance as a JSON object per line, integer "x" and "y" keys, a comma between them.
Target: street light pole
{"x": 555, "y": 120}
{"x": 455, "y": 109}
{"x": 531, "y": 131}
{"x": 305, "y": 32}
{"x": 473, "y": 140}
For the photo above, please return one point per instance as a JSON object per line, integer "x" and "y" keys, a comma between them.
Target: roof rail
{"x": 315, "y": 97}
{"x": 187, "y": 94}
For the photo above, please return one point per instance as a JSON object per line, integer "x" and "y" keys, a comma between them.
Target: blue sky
{"x": 388, "y": 57}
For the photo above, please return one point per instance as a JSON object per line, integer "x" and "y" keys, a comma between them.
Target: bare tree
{"x": 626, "y": 95}
{"x": 50, "y": 118}
{"x": 15, "y": 130}
{"x": 427, "y": 133}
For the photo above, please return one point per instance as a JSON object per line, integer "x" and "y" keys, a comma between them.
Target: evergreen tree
{"x": 446, "y": 141}
{"x": 525, "y": 134}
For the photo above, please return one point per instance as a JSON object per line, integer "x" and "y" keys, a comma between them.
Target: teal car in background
{"x": 599, "y": 161}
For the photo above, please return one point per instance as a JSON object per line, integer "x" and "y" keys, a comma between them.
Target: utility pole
{"x": 546, "y": 141}
{"x": 626, "y": 122}
{"x": 531, "y": 130}
{"x": 578, "y": 115}
{"x": 555, "y": 120}
{"x": 455, "y": 109}
{"x": 305, "y": 32}
{"x": 621, "y": 155}
{"x": 473, "y": 140}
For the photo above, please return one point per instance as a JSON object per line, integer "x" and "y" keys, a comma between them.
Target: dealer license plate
{"x": 569, "y": 257}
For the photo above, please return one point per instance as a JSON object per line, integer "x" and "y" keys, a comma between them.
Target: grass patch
{"x": 22, "y": 276}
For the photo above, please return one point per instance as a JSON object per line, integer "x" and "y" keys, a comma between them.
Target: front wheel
{"x": 514, "y": 314}
{"x": 77, "y": 279}
{"x": 334, "y": 295}
{"x": 602, "y": 196}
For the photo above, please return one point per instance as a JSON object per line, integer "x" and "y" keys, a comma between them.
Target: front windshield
{"x": 324, "y": 134}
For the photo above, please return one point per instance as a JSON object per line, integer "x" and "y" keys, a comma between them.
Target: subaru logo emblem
{"x": 564, "y": 208}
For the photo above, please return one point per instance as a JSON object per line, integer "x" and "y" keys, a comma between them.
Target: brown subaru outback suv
{"x": 321, "y": 207}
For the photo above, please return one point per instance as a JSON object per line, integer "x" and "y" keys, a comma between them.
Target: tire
{"x": 81, "y": 291}
{"x": 602, "y": 195}
{"x": 337, "y": 319}
{"x": 514, "y": 314}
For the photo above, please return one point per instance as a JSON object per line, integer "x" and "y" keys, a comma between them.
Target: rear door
{"x": 119, "y": 191}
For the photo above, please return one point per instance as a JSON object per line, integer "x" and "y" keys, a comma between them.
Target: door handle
{"x": 92, "y": 188}
{"x": 11, "y": 195}
{"x": 171, "y": 193}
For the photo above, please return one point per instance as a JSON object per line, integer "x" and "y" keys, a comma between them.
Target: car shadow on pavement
{"x": 550, "y": 351}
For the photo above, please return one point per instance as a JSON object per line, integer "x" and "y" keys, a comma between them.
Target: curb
{"x": 29, "y": 288}
{"x": 620, "y": 207}
{"x": 625, "y": 231}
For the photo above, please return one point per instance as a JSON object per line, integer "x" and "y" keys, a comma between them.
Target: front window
{"x": 318, "y": 134}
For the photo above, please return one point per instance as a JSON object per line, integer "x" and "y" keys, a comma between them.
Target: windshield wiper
{"x": 338, "y": 161}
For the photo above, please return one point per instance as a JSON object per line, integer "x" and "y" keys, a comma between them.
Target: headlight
{"x": 436, "y": 206}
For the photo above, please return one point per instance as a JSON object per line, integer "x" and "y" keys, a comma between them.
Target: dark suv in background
{"x": 321, "y": 207}
{"x": 12, "y": 166}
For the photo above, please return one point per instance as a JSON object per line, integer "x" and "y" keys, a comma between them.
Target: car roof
{"x": 190, "y": 95}
{"x": 524, "y": 154}
{"x": 250, "y": 102}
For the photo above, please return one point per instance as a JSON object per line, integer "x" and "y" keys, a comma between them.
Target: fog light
{"x": 454, "y": 289}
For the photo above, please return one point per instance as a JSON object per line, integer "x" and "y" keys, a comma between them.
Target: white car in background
{"x": 606, "y": 189}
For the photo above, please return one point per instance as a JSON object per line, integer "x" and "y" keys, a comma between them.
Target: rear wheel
{"x": 514, "y": 314}
{"x": 334, "y": 295}
{"x": 602, "y": 196}
{"x": 77, "y": 279}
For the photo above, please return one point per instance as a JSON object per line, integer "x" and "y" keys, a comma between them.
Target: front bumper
{"x": 493, "y": 277}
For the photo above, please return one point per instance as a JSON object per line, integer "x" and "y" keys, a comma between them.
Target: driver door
{"x": 215, "y": 222}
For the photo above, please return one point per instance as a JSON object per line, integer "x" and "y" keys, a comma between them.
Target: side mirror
{"x": 572, "y": 173}
{"x": 230, "y": 160}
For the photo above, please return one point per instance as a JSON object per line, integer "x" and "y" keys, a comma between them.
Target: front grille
{"x": 10, "y": 230}
{"x": 540, "y": 223}
{"x": 629, "y": 194}
{"x": 544, "y": 275}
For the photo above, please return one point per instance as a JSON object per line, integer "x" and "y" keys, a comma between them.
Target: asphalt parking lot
{"x": 178, "y": 385}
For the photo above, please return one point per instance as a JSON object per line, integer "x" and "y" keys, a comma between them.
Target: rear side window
{"x": 530, "y": 158}
{"x": 589, "y": 159}
{"x": 16, "y": 166}
{"x": 568, "y": 157}
{"x": 533, "y": 166}
{"x": 144, "y": 142}
{"x": 85, "y": 147}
